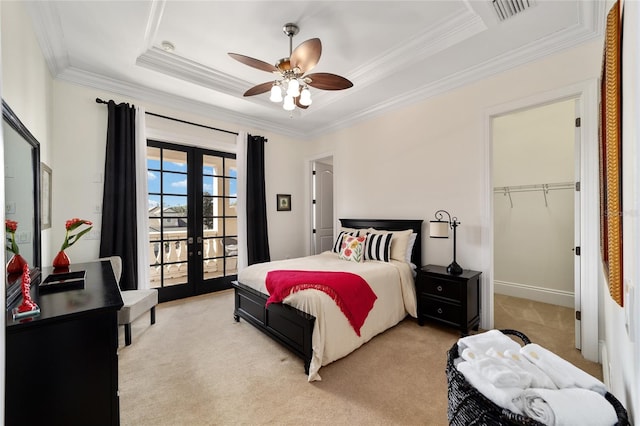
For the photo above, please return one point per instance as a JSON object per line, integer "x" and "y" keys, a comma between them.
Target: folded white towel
{"x": 539, "y": 378}
{"x": 482, "y": 342}
{"x": 502, "y": 397}
{"x": 570, "y": 407}
{"x": 497, "y": 371}
{"x": 561, "y": 372}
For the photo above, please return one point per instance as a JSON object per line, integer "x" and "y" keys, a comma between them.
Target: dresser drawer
{"x": 440, "y": 310}
{"x": 442, "y": 288}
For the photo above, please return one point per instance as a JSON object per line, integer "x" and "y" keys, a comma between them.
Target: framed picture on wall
{"x": 283, "y": 202}
{"x": 45, "y": 196}
{"x": 611, "y": 157}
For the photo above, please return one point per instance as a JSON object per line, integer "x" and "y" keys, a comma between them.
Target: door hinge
{"x": 577, "y": 250}
{"x": 578, "y": 186}
{"x": 578, "y": 122}
{"x": 578, "y": 316}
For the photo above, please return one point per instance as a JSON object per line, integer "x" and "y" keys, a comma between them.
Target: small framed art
{"x": 283, "y": 202}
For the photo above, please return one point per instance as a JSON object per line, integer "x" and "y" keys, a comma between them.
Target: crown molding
{"x": 185, "y": 69}
{"x": 153, "y": 23}
{"x": 146, "y": 94}
{"x": 447, "y": 32}
{"x": 50, "y": 36}
{"x": 48, "y": 31}
{"x": 589, "y": 27}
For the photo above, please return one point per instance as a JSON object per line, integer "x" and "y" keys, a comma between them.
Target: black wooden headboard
{"x": 392, "y": 225}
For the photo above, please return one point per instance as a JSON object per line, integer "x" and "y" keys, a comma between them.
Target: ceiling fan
{"x": 292, "y": 82}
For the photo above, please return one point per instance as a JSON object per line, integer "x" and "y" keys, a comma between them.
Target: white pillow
{"x": 412, "y": 241}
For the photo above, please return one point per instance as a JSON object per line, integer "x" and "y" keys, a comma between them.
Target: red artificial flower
{"x": 72, "y": 225}
{"x": 11, "y": 226}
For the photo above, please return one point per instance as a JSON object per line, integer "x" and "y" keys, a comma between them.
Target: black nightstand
{"x": 450, "y": 299}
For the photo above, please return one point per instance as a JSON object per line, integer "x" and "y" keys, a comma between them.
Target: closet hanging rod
{"x": 535, "y": 187}
{"x": 100, "y": 101}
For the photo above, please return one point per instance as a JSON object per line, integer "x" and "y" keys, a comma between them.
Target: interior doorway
{"x": 536, "y": 208}
{"x": 321, "y": 205}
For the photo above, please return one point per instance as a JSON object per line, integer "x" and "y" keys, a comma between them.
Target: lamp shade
{"x": 438, "y": 229}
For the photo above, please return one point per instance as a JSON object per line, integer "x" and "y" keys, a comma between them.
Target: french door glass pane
{"x": 175, "y": 161}
{"x": 171, "y": 182}
{"x": 168, "y": 223}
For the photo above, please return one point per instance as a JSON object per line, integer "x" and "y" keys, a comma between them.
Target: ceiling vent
{"x": 505, "y": 9}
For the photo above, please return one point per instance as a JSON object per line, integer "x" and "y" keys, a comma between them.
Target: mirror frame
{"x": 13, "y": 289}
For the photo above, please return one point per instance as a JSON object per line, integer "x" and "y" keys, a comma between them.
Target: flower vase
{"x": 16, "y": 264}
{"x": 61, "y": 261}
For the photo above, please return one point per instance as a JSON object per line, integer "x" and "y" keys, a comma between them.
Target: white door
{"x": 576, "y": 232}
{"x": 323, "y": 207}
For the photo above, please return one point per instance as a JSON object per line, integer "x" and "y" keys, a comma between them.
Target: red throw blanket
{"x": 351, "y": 292}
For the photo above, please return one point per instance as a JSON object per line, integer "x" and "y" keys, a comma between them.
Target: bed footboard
{"x": 285, "y": 324}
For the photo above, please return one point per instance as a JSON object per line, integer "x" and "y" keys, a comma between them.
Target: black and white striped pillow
{"x": 337, "y": 245}
{"x": 378, "y": 247}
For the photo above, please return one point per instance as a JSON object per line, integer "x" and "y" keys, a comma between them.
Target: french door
{"x": 193, "y": 245}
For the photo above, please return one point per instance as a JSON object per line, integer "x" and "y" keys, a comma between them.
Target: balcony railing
{"x": 173, "y": 257}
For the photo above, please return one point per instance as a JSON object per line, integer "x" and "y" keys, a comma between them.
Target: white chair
{"x": 136, "y": 302}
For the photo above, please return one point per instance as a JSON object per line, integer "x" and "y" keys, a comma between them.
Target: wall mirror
{"x": 22, "y": 195}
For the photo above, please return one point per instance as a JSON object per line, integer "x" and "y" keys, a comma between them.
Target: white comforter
{"x": 333, "y": 337}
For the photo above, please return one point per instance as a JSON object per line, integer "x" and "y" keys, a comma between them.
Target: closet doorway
{"x": 536, "y": 208}
{"x": 321, "y": 205}
{"x": 193, "y": 246}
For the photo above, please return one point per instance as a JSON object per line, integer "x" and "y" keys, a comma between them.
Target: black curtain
{"x": 119, "y": 225}
{"x": 257, "y": 238}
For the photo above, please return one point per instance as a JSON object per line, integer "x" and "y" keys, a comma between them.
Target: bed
{"x": 308, "y": 322}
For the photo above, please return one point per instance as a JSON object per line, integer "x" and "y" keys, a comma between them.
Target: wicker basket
{"x": 467, "y": 406}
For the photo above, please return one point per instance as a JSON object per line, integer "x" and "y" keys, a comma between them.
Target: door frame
{"x": 309, "y": 187}
{"x": 586, "y": 94}
{"x": 195, "y": 284}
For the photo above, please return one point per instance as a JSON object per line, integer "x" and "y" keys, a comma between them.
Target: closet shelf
{"x": 543, "y": 187}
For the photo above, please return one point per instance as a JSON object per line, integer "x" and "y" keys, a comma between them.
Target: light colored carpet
{"x": 197, "y": 366}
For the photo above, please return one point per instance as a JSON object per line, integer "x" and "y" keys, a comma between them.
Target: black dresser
{"x": 62, "y": 365}
{"x": 449, "y": 299}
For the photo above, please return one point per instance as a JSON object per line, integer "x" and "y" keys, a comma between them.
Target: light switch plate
{"x": 629, "y": 309}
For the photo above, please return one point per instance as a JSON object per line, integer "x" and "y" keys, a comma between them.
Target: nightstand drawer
{"x": 442, "y": 288}
{"x": 441, "y": 310}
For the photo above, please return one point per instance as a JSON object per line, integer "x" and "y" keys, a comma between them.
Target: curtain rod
{"x": 100, "y": 101}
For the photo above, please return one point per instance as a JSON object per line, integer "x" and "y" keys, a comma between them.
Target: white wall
{"x": 534, "y": 147}
{"x": 27, "y": 84}
{"x": 80, "y": 133}
{"x": 430, "y": 156}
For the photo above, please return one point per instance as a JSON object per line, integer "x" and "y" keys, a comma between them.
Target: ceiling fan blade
{"x": 260, "y": 88}
{"x": 298, "y": 104}
{"x": 327, "y": 81}
{"x": 306, "y": 55}
{"x": 255, "y": 63}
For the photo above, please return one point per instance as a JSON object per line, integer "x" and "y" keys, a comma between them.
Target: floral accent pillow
{"x": 353, "y": 248}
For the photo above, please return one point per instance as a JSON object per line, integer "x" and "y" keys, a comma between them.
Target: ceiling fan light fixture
{"x": 293, "y": 81}
{"x": 293, "y": 88}
{"x": 288, "y": 104}
{"x": 276, "y": 93}
{"x": 305, "y": 97}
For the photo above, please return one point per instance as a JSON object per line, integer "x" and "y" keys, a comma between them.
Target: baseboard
{"x": 606, "y": 368}
{"x": 539, "y": 294}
